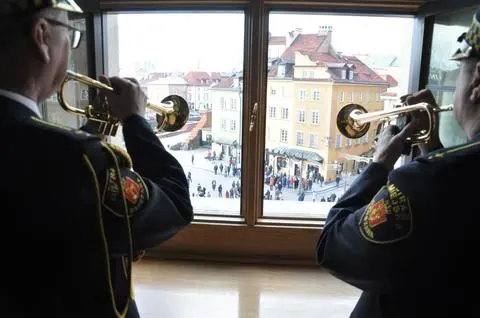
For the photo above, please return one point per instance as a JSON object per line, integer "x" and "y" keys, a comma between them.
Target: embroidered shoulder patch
{"x": 388, "y": 218}
{"x": 124, "y": 189}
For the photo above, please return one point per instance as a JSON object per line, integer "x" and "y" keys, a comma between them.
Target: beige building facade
{"x": 306, "y": 89}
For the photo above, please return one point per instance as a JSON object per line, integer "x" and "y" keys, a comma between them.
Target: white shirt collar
{"x": 27, "y": 102}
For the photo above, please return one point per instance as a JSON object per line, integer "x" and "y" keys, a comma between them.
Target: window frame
{"x": 250, "y": 237}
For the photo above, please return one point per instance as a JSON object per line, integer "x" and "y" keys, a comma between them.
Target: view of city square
{"x": 316, "y": 65}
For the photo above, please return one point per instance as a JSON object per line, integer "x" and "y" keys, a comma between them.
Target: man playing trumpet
{"x": 407, "y": 237}
{"x": 75, "y": 210}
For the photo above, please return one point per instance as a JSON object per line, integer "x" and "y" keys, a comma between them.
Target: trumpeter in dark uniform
{"x": 409, "y": 237}
{"x": 75, "y": 210}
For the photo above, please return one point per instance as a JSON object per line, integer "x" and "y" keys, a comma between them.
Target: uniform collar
{"x": 10, "y": 108}
{"x": 20, "y": 99}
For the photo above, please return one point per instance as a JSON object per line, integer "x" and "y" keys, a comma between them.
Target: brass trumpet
{"x": 172, "y": 112}
{"x": 353, "y": 120}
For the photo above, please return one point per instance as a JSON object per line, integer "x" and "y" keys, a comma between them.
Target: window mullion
{"x": 254, "y": 92}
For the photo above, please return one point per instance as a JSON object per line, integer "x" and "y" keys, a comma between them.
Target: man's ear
{"x": 41, "y": 35}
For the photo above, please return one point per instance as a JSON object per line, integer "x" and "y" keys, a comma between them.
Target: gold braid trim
{"x": 123, "y": 312}
{"x": 125, "y": 159}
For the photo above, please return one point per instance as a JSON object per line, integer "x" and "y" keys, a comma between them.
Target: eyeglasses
{"x": 74, "y": 33}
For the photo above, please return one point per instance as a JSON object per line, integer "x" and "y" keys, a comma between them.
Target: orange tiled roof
{"x": 319, "y": 50}
{"x": 196, "y": 78}
{"x": 226, "y": 82}
{"x": 303, "y": 43}
{"x": 391, "y": 81}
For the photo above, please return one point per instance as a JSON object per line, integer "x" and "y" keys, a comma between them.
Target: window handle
{"x": 253, "y": 117}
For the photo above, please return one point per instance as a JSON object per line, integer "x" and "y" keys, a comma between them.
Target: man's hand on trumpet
{"x": 390, "y": 143}
{"x": 424, "y": 96}
{"x": 127, "y": 99}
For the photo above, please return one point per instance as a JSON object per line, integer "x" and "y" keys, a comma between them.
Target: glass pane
{"x": 318, "y": 64}
{"x": 198, "y": 56}
{"x": 76, "y": 94}
{"x": 443, "y": 72}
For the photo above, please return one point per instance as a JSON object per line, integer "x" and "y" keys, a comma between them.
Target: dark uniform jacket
{"x": 74, "y": 214}
{"x": 409, "y": 238}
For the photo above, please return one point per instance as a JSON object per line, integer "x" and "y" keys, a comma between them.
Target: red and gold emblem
{"x": 131, "y": 190}
{"x": 377, "y": 214}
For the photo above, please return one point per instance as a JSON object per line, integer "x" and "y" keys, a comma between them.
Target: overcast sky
{"x": 214, "y": 41}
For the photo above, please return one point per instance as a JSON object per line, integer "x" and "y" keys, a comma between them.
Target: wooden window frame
{"x": 249, "y": 237}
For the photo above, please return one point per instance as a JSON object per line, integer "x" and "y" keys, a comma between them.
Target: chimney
{"x": 326, "y": 32}
{"x": 292, "y": 35}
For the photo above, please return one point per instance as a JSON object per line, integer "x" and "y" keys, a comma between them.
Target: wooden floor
{"x": 174, "y": 289}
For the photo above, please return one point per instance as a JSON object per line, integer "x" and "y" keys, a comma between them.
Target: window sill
{"x": 228, "y": 210}
{"x": 222, "y": 235}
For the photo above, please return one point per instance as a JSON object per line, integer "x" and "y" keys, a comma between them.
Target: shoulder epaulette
{"x": 445, "y": 152}
{"x": 124, "y": 158}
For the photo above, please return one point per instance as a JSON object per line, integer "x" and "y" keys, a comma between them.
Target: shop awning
{"x": 225, "y": 141}
{"x": 298, "y": 154}
{"x": 357, "y": 158}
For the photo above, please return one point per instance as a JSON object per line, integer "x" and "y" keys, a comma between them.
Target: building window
{"x": 338, "y": 142}
{"x": 233, "y": 104}
{"x": 223, "y": 54}
{"x": 367, "y": 98}
{"x": 224, "y": 124}
{"x": 272, "y": 112}
{"x": 284, "y": 135}
{"x": 284, "y": 113}
{"x": 300, "y": 137}
{"x": 315, "y": 117}
{"x": 273, "y": 91}
{"x": 443, "y": 72}
{"x": 350, "y": 99}
{"x": 341, "y": 96}
{"x": 313, "y": 141}
{"x": 223, "y": 105}
{"x": 301, "y": 116}
{"x": 316, "y": 94}
{"x": 350, "y": 75}
{"x": 302, "y": 94}
{"x": 233, "y": 125}
{"x": 360, "y": 97}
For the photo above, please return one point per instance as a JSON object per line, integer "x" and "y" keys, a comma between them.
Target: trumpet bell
{"x": 175, "y": 119}
{"x": 347, "y": 125}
